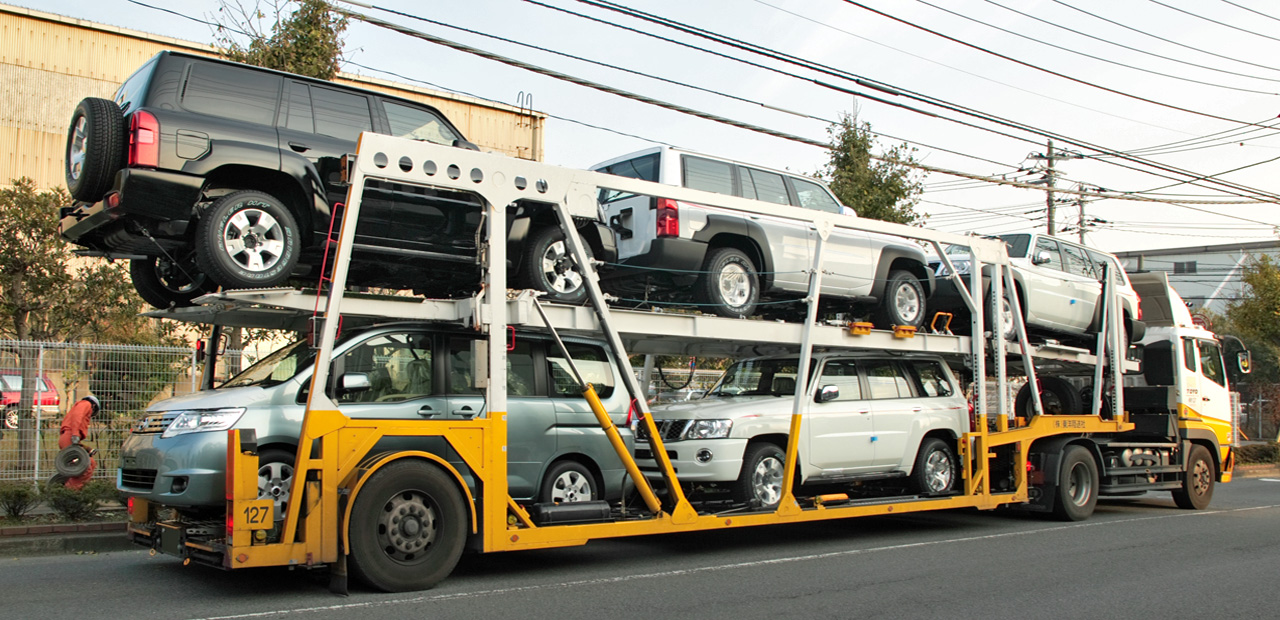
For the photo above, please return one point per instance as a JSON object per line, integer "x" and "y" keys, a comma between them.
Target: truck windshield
{"x": 776, "y": 377}
{"x": 275, "y": 368}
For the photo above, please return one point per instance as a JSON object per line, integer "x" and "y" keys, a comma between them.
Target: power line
{"x": 1240, "y": 6}
{"x": 1098, "y": 58}
{"x": 1213, "y": 21}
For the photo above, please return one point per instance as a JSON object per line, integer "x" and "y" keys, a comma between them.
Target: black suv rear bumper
{"x": 150, "y": 196}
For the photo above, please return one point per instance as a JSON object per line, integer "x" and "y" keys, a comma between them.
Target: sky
{"x": 1195, "y": 69}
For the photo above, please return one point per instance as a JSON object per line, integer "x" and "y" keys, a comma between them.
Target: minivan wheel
{"x": 935, "y": 471}
{"x": 568, "y": 482}
{"x": 275, "y": 478}
{"x": 408, "y": 527}
{"x": 247, "y": 239}
{"x": 763, "y": 469}
{"x": 548, "y": 266}
{"x": 903, "y": 302}
{"x": 729, "y": 285}
{"x": 95, "y": 148}
{"x": 163, "y": 283}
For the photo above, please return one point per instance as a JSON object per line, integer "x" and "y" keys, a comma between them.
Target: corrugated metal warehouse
{"x": 48, "y": 63}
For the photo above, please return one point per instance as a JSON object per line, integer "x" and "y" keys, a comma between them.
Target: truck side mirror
{"x": 827, "y": 393}
{"x": 1244, "y": 362}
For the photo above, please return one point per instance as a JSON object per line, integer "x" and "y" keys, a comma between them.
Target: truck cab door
{"x": 840, "y": 433}
{"x": 1215, "y": 396}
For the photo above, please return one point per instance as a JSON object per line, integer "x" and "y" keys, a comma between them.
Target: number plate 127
{"x": 258, "y": 514}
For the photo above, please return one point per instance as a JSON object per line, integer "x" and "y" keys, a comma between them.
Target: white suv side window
{"x": 769, "y": 187}
{"x": 708, "y": 175}
{"x": 1078, "y": 262}
{"x": 813, "y": 196}
{"x": 885, "y": 380}
{"x": 844, "y": 375}
{"x": 1050, "y": 247}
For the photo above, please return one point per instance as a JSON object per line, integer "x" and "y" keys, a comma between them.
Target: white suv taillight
{"x": 668, "y": 218}
{"x": 144, "y": 140}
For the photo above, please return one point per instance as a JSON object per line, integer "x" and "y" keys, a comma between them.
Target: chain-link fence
{"x": 125, "y": 379}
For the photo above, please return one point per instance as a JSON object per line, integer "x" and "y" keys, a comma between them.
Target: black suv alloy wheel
{"x": 247, "y": 239}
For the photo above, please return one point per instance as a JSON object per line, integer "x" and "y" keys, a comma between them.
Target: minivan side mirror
{"x": 353, "y": 382}
{"x": 827, "y": 393}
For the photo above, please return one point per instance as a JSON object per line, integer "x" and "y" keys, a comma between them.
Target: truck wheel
{"x": 1077, "y": 485}
{"x": 1197, "y": 486}
{"x": 247, "y": 239}
{"x": 408, "y": 527}
{"x": 96, "y": 144}
{"x": 903, "y": 302}
{"x": 548, "y": 266}
{"x": 275, "y": 478}
{"x": 760, "y": 482}
{"x": 729, "y": 284}
{"x": 935, "y": 471}
{"x": 162, "y": 283}
{"x": 11, "y": 416}
{"x": 566, "y": 482}
{"x": 1057, "y": 396}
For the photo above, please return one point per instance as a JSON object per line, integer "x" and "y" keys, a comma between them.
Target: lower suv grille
{"x": 670, "y": 430}
{"x": 143, "y": 479}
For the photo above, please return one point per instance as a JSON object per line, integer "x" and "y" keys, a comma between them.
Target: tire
{"x": 1086, "y": 402}
{"x": 729, "y": 285}
{"x": 247, "y": 239}
{"x": 96, "y": 142}
{"x": 408, "y": 526}
{"x": 760, "y": 482}
{"x": 903, "y": 301}
{"x": 164, "y": 284}
{"x": 548, "y": 266}
{"x": 1057, "y": 396}
{"x": 11, "y": 417}
{"x": 72, "y": 461}
{"x": 57, "y": 480}
{"x": 1197, "y": 485}
{"x": 567, "y": 482}
{"x": 1010, "y": 331}
{"x": 275, "y": 478}
{"x": 1077, "y": 492}
{"x": 936, "y": 470}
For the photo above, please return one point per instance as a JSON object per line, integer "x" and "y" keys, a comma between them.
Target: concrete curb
{"x": 1257, "y": 471}
{"x": 63, "y": 544}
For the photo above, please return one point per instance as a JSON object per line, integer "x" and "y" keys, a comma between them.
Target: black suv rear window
{"x": 130, "y": 94}
{"x": 232, "y": 92}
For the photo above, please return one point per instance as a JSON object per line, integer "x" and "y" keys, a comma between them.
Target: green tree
{"x": 304, "y": 37}
{"x": 883, "y": 187}
{"x": 1257, "y": 313}
{"x": 48, "y": 294}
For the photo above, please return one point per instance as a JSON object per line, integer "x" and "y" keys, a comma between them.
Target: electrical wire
{"x": 1098, "y": 58}
{"x": 1213, "y": 21}
{"x": 1260, "y": 13}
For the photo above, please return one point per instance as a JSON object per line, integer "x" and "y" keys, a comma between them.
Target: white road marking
{"x": 1269, "y": 479}
{"x": 719, "y": 567}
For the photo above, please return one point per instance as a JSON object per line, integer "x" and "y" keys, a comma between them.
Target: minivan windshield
{"x": 275, "y": 368}
{"x": 776, "y": 377}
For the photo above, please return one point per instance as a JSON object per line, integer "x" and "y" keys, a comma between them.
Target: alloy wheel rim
{"x": 254, "y": 240}
{"x": 76, "y": 150}
{"x": 766, "y": 480}
{"x": 408, "y": 526}
{"x": 734, "y": 285}
{"x": 569, "y": 487}
{"x": 178, "y": 279}
{"x": 274, "y": 482}
{"x": 937, "y": 471}
{"x": 907, "y": 302}
{"x": 558, "y": 269}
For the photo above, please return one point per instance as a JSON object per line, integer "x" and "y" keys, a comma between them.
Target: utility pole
{"x": 1080, "y": 204}
{"x": 1050, "y": 177}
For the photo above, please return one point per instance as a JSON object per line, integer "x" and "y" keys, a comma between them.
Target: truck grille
{"x": 141, "y": 479}
{"x": 154, "y": 423}
{"x": 670, "y": 430}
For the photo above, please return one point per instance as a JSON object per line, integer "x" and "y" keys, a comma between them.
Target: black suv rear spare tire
{"x": 95, "y": 148}
{"x": 247, "y": 239}
{"x": 162, "y": 283}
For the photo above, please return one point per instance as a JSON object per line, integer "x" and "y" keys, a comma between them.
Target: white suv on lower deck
{"x": 871, "y": 416}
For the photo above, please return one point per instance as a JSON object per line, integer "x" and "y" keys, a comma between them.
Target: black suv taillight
{"x": 668, "y": 218}
{"x": 144, "y": 140}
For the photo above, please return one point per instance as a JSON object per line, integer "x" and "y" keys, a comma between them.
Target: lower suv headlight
{"x": 201, "y": 421}
{"x": 709, "y": 429}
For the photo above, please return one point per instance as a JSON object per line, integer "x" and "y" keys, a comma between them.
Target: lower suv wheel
{"x": 247, "y": 239}
{"x": 729, "y": 285}
{"x": 903, "y": 301}
{"x": 164, "y": 283}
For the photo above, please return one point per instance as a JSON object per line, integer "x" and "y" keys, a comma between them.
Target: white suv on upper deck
{"x": 871, "y": 416}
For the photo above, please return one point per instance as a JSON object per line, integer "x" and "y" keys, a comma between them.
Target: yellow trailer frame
{"x": 335, "y": 458}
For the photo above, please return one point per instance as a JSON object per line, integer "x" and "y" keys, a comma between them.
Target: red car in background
{"x": 46, "y": 397}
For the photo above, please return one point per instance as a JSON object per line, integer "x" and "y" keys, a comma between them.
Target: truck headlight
{"x": 709, "y": 429}
{"x": 202, "y": 421}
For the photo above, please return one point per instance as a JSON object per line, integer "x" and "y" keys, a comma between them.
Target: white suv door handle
{"x": 917, "y": 409}
{"x": 864, "y": 411}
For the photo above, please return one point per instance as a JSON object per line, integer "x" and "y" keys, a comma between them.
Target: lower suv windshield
{"x": 275, "y": 368}
{"x": 775, "y": 377}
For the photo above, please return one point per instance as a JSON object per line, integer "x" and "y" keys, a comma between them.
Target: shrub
{"x": 1258, "y": 453}
{"x": 17, "y": 498}
{"x": 74, "y": 505}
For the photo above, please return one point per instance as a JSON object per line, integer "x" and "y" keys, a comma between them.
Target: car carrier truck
{"x": 401, "y": 519}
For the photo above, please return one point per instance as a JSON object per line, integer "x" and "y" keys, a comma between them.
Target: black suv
{"x": 208, "y": 173}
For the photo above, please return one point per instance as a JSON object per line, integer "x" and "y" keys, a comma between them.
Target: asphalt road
{"x": 1136, "y": 558}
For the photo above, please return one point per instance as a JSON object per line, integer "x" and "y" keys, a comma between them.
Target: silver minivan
{"x": 730, "y": 261}
{"x": 175, "y": 456}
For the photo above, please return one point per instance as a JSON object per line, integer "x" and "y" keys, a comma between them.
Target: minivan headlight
{"x": 709, "y": 429}
{"x": 201, "y": 421}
